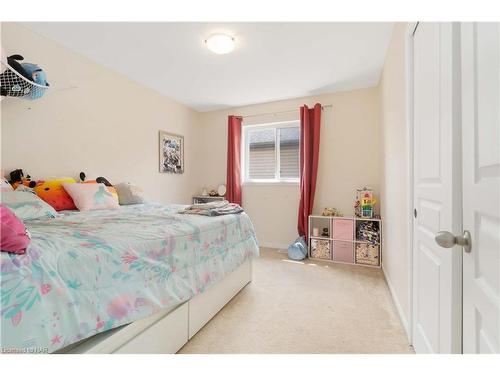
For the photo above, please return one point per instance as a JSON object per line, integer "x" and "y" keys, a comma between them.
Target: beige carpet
{"x": 305, "y": 307}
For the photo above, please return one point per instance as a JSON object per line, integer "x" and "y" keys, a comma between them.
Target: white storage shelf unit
{"x": 352, "y": 240}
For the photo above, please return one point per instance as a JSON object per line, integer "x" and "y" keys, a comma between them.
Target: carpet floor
{"x": 305, "y": 307}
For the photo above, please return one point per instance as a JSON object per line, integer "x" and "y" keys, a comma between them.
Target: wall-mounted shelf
{"x": 351, "y": 240}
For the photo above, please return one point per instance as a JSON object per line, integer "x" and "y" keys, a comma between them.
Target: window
{"x": 271, "y": 152}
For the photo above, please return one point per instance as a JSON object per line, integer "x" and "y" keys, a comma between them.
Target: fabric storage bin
{"x": 367, "y": 254}
{"x": 368, "y": 231}
{"x": 343, "y": 229}
{"x": 321, "y": 249}
{"x": 343, "y": 251}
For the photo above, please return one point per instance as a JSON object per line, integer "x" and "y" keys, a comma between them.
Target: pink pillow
{"x": 13, "y": 235}
{"x": 89, "y": 197}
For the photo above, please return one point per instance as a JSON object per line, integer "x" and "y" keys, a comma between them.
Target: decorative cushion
{"x": 14, "y": 237}
{"x": 129, "y": 194}
{"x": 52, "y": 192}
{"x": 89, "y": 197}
{"x": 111, "y": 189}
{"x": 27, "y": 206}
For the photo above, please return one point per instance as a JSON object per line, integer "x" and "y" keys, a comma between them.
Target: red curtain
{"x": 310, "y": 120}
{"x": 233, "y": 182}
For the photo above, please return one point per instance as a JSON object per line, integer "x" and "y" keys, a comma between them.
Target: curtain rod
{"x": 277, "y": 113}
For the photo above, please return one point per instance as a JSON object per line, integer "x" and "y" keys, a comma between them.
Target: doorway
{"x": 456, "y": 188}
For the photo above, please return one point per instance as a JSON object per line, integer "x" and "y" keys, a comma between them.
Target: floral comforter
{"x": 88, "y": 272}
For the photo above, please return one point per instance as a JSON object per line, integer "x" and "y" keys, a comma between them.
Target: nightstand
{"x": 197, "y": 199}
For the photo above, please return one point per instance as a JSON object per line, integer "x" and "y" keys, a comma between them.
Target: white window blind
{"x": 289, "y": 152}
{"x": 271, "y": 152}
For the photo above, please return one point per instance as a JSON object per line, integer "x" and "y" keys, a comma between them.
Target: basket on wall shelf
{"x": 14, "y": 84}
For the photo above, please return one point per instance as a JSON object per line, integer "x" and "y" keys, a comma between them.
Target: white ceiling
{"x": 272, "y": 61}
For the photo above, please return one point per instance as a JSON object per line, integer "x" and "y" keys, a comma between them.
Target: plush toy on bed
{"x": 17, "y": 178}
{"x": 99, "y": 180}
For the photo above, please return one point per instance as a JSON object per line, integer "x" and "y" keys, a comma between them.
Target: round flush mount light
{"x": 220, "y": 43}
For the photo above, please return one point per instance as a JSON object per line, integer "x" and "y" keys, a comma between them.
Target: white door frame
{"x": 409, "y": 146}
{"x": 409, "y": 47}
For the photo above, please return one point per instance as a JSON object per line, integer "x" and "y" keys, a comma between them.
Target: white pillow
{"x": 27, "y": 206}
{"x": 129, "y": 194}
{"x": 4, "y": 185}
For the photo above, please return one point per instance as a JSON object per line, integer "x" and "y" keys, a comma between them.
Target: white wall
{"x": 394, "y": 187}
{"x": 350, "y": 155}
{"x": 106, "y": 126}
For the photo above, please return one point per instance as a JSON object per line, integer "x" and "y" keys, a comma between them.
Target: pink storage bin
{"x": 343, "y": 251}
{"x": 343, "y": 229}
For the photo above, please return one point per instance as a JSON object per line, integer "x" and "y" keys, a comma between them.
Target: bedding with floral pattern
{"x": 88, "y": 272}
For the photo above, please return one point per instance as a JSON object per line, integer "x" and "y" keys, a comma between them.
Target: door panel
{"x": 436, "y": 271}
{"x": 481, "y": 185}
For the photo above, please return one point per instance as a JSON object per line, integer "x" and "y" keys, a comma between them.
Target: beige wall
{"x": 394, "y": 184}
{"x": 350, "y": 155}
{"x": 107, "y": 125}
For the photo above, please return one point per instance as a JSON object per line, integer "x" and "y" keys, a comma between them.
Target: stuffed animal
{"x": 38, "y": 76}
{"x": 298, "y": 250}
{"x": 13, "y": 85}
{"x": 17, "y": 178}
{"x": 99, "y": 180}
{"x": 14, "y": 64}
{"x": 331, "y": 212}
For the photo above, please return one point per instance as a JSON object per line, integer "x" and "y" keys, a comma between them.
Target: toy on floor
{"x": 298, "y": 250}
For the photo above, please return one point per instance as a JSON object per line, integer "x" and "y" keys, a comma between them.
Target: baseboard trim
{"x": 274, "y": 245}
{"x": 399, "y": 309}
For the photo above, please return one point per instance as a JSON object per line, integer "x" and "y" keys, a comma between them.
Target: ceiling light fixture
{"x": 220, "y": 43}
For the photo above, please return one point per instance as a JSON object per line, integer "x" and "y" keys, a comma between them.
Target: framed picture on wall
{"x": 171, "y": 153}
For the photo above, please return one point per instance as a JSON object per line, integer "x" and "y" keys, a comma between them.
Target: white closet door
{"x": 481, "y": 186}
{"x": 437, "y": 195}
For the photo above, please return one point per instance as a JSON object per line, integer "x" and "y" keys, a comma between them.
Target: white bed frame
{"x": 169, "y": 330}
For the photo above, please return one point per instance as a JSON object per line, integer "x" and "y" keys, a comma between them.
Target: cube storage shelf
{"x": 351, "y": 240}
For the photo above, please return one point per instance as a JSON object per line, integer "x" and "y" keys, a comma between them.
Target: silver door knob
{"x": 447, "y": 239}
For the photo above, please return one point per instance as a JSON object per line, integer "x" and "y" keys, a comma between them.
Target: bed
{"x": 111, "y": 275}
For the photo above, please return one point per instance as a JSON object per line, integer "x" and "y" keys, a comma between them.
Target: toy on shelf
{"x": 331, "y": 212}
{"x": 364, "y": 203}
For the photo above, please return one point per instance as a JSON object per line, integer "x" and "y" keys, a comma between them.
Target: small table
{"x": 197, "y": 199}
